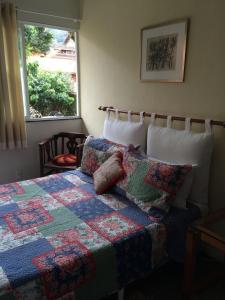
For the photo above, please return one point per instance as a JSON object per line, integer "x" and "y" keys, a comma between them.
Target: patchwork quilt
{"x": 59, "y": 240}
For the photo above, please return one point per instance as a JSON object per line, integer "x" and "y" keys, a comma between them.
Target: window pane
{"x": 51, "y": 61}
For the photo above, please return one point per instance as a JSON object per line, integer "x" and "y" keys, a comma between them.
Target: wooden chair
{"x": 62, "y": 143}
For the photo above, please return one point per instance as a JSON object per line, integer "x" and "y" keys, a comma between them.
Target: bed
{"x": 60, "y": 240}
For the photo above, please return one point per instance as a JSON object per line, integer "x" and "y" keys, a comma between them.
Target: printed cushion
{"x": 167, "y": 177}
{"x": 151, "y": 184}
{"x": 96, "y": 151}
{"x": 65, "y": 160}
{"x": 108, "y": 173}
{"x": 184, "y": 192}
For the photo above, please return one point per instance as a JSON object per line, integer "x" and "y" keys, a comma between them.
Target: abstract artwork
{"x": 163, "y": 52}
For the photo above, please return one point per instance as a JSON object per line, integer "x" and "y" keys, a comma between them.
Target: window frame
{"x": 24, "y": 81}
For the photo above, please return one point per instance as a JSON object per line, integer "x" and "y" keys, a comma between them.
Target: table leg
{"x": 190, "y": 261}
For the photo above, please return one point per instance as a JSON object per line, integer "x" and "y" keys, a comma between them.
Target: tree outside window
{"x": 51, "y": 71}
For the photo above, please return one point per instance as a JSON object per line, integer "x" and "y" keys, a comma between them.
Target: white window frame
{"x": 24, "y": 80}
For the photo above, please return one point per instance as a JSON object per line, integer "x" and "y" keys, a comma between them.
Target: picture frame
{"x": 163, "y": 51}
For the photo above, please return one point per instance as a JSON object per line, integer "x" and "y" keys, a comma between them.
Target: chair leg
{"x": 121, "y": 294}
{"x": 41, "y": 171}
{"x": 41, "y": 159}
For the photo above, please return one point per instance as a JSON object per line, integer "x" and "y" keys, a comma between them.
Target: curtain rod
{"x": 162, "y": 116}
{"x": 46, "y": 15}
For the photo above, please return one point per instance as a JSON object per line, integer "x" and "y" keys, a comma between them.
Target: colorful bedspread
{"x": 59, "y": 240}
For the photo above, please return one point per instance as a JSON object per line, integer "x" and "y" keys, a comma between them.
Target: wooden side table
{"x": 210, "y": 230}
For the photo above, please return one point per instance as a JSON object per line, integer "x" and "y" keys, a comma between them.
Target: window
{"x": 49, "y": 68}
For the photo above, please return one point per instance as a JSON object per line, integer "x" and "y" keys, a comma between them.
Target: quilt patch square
{"x": 65, "y": 268}
{"x": 17, "y": 262}
{"x": 5, "y": 209}
{"x": 27, "y": 182}
{"x": 87, "y": 210}
{"x": 112, "y": 201}
{"x": 30, "y": 190}
{"x": 10, "y": 240}
{"x": 64, "y": 219}
{"x": 133, "y": 257}
{"x": 72, "y": 195}
{"x": 5, "y": 200}
{"x": 23, "y": 219}
{"x": 46, "y": 201}
{"x": 54, "y": 183}
{"x": 82, "y": 233}
{"x": 86, "y": 178}
{"x": 114, "y": 226}
{"x": 100, "y": 144}
{"x": 139, "y": 216}
{"x": 11, "y": 189}
{"x": 89, "y": 188}
{"x": 74, "y": 179}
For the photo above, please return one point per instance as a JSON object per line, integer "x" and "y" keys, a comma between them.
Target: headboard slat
{"x": 163, "y": 116}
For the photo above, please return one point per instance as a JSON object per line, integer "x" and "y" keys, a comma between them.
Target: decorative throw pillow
{"x": 181, "y": 198}
{"x": 96, "y": 151}
{"x": 151, "y": 184}
{"x": 168, "y": 178}
{"x": 65, "y": 160}
{"x": 108, "y": 173}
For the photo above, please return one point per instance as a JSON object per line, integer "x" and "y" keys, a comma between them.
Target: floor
{"x": 166, "y": 283}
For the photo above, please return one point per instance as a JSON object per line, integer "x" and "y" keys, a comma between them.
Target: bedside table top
{"x": 213, "y": 225}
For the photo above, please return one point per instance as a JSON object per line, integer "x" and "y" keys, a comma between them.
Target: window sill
{"x": 44, "y": 119}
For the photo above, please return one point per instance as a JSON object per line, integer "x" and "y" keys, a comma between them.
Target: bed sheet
{"x": 59, "y": 240}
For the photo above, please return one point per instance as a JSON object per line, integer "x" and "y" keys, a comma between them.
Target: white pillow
{"x": 185, "y": 147}
{"x": 125, "y": 132}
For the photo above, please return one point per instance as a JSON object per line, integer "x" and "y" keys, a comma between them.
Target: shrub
{"x": 38, "y": 39}
{"x": 50, "y": 91}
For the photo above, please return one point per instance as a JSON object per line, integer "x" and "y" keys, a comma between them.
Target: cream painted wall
{"x": 110, "y": 58}
{"x": 66, "y": 8}
{"x": 49, "y": 12}
{"x": 24, "y": 164}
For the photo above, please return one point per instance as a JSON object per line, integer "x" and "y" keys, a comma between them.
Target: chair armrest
{"x": 42, "y": 143}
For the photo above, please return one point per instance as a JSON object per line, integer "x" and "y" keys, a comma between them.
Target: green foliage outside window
{"x": 49, "y": 92}
{"x": 38, "y": 40}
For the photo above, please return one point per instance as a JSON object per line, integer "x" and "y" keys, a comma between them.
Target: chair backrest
{"x": 67, "y": 142}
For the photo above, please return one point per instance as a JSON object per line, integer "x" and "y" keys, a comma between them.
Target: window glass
{"x": 51, "y": 72}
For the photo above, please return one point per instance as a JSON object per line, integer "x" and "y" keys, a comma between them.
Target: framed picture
{"x": 163, "y": 49}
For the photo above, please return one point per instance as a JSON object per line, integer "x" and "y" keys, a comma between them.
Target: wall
{"x": 66, "y": 8}
{"x": 24, "y": 164}
{"x": 50, "y": 10}
{"x": 110, "y": 61}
